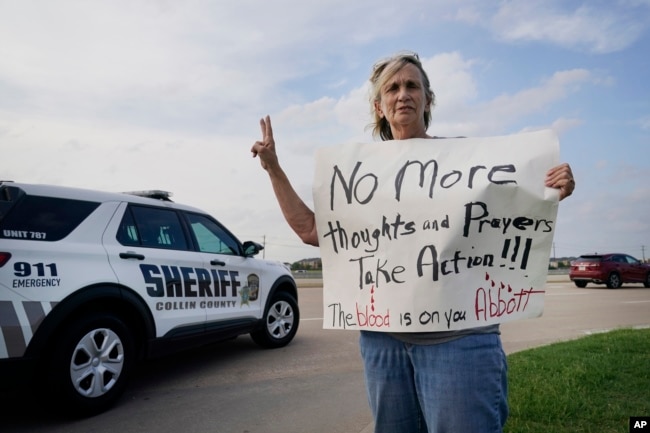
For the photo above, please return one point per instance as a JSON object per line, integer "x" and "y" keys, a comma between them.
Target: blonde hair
{"x": 383, "y": 71}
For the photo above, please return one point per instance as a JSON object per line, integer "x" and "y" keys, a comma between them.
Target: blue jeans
{"x": 455, "y": 387}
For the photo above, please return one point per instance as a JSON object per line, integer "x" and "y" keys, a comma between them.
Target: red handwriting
{"x": 367, "y": 318}
{"x": 500, "y": 299}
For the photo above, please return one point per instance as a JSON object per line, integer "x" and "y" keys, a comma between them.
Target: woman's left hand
{"x": 561, "y": 177}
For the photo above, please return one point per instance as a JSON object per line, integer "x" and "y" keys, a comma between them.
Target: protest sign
{"x": 427, "y": 235}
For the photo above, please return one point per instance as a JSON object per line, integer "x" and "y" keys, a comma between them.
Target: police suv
{"x": 92, "y": 282}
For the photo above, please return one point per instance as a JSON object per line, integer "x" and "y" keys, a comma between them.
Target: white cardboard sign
{"x": 435, "y": 234}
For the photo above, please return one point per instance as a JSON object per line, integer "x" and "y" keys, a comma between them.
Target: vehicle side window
{"x": 128, "y": 232}
{"x": 631, "y": 260}
{"x": 43, "y": 218}
{"x": 152, "y": 227}
{"x": 211, "y": 237}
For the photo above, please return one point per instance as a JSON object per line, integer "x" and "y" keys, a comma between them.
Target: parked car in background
{"x": 92, "y": 282}
{"x": 610, "y": 269}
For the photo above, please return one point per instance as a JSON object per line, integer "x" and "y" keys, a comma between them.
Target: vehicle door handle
{"x": 130, "y": 255}
{"x": 217, "y": 262}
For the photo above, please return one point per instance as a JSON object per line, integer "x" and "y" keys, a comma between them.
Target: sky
{"x": 142, "y": 94}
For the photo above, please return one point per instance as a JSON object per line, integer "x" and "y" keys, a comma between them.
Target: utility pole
{"x": 643, "y": 252}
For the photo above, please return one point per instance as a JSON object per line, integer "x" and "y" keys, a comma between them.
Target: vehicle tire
{"x": 91, "y": 364}
{"x": 646, "y": 283}
{"x": 581, "y": 284}
{"x": 614, "y": 281}
{"x": 280, "y": 322}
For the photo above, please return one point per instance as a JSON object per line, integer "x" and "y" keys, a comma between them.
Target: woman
{"x": 452, "y": 381}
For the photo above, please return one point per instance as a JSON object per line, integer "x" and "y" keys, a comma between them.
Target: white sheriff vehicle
{"x": 93, "y": 282}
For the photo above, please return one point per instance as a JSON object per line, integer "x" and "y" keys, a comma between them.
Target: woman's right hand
{"x": 300, "y": 218}
{"x": 265, "y": 149}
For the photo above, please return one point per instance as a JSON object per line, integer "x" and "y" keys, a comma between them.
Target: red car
{"x": 610, "y": 269}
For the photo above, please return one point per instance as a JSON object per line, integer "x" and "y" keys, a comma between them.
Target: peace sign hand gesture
{"x": 265, "y": 149}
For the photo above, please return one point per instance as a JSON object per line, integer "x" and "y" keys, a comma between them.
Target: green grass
{"x": 593, "y": 384}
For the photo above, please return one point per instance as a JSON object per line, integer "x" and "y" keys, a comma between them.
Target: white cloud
{"x": 560, "y": 126}
{"x": 590, "y": 26}
{"x": 451, "y": 79}
{"x": 598, "y": 27}
{"x": 467, "y": 117}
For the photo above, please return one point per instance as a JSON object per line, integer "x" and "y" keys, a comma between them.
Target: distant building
{"x": 560, "y": 262}
{"x": 307, "y": 264}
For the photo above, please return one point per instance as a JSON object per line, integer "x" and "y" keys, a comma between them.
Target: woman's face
{"x": 403, "y": 100}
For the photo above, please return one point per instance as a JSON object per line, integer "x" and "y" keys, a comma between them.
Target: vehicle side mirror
{"x": 251, "y": 248}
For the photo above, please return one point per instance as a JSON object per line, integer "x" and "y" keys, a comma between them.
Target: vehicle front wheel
{"x": 91, "y": 364}
{"x": 280, "y": 322}
{"x": 614, "y": 281}
{"x": 646, "y": 283}
{"x": 581, "y": 284}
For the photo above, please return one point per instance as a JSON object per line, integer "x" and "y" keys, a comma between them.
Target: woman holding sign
{"x": 451, "y": 381}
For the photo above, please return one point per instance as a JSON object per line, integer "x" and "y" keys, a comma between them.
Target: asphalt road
{"x": 314, "y": 385}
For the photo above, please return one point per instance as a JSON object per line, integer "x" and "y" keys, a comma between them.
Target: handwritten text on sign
{"x": 435, "y": 234}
